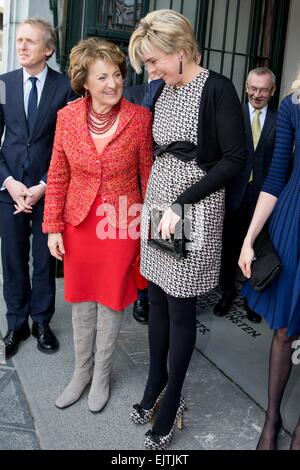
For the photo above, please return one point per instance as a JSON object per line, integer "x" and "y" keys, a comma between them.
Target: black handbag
{"x": 176, "y": 246}
{"x": 266, "y": 265}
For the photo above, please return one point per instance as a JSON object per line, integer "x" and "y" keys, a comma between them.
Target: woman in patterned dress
{"x": 279, "y": 304}
{"x": 101, "y": 162}
{"x": 200, "y": 112}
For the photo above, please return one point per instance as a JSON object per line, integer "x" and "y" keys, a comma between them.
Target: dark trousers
{"x": 236, "y": 224}
{"x": 143, "y": 295}
{"x": 24, "y": 297}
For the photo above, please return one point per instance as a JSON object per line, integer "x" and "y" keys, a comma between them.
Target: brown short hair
{"x": 85, "y": 53}
{"x": 168, "y": 31}
{"x": 50, "y": 36}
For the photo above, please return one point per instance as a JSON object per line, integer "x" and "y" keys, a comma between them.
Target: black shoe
{"x": 46, "y": 341}
{"x": 141, "y": 311}
{"x": 251, "y": 316}
{"x": 13, "y": 338}
{"x": 223, "y": 306}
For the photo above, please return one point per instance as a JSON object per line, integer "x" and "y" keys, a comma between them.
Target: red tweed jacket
{"x": 77, "y": 173}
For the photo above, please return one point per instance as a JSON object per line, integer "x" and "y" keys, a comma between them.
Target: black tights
{"x": 172, "y": 331}
{"x": 279, "y": 373}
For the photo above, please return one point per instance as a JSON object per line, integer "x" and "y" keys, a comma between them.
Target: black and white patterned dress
{"x": 176, "y": 119}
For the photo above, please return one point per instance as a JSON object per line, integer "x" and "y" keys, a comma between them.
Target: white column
{"x": 14, "y": 12}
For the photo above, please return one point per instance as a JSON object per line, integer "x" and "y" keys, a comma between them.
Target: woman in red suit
{"x": 101, "y": 163}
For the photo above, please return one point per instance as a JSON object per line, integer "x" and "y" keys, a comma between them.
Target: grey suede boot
{"x": 108, "y": 328}
{"x": 84, "y": 318}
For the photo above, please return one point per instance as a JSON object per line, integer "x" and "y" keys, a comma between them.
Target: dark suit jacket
{"x": 19, "y": 149}
{"x": 257, "y": 161}
{"x": 142, "y": 94}
{"x": 151, "y": 91}
{"x": 135, "y": 94}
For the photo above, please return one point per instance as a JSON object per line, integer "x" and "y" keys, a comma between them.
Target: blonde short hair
{"x": 168, "y": 31}
{"x": 85, "y": 53}
{"x": 295, "y": 89}
{"x": 50, "y": 36}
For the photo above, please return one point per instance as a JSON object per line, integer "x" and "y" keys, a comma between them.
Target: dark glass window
{"x": 234, "y": 36}
{"x": 120, "y": 14}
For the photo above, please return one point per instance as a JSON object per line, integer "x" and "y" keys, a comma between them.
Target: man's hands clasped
{"x": 24, "y": 198}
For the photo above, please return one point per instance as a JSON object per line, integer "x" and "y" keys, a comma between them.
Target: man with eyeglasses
{"x": 243, "y": 191}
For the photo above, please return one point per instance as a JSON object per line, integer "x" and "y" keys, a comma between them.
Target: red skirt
{"x": 99, "y": 270}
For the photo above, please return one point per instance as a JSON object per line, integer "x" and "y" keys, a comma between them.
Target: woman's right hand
{"x": 56, "y": 245}
{"x": 247, "y": 256}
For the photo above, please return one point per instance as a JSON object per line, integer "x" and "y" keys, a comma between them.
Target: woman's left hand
{"x": 247, "y": 256}
{"x": 167, "y": 223}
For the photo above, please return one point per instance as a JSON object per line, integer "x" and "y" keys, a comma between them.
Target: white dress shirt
{"x": 27, "y": 85}
{"x": 262, "y": 116}
{"x": 41, "y": 78}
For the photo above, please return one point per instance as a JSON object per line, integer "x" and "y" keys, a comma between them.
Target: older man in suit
{"x": 33, "y": 95}
{"x": 243, "y": 191}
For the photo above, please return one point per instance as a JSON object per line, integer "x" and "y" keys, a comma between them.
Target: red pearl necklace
{"x": 99, "y": 123}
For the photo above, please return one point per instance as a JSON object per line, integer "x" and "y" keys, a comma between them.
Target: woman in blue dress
{"x": 279, "y": 304}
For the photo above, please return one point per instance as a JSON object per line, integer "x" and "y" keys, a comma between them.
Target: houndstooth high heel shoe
{"x": 154, "y": 441}
{"x": 141, "y": 416}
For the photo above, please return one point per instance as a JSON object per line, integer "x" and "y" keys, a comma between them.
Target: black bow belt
{"x": 184, "y": 151}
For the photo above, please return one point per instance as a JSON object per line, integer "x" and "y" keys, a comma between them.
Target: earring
{"x": 180, "y": 66}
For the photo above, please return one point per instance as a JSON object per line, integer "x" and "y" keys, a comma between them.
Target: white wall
{"x": 291, "y": 63}
{"x": 16, "y": 11}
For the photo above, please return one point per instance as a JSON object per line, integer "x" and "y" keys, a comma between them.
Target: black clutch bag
{"x": 267, "y": 265}
{"x": 176, "y": 246}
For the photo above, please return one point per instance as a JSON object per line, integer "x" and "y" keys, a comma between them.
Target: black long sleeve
{"x": 221, "y": 131}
